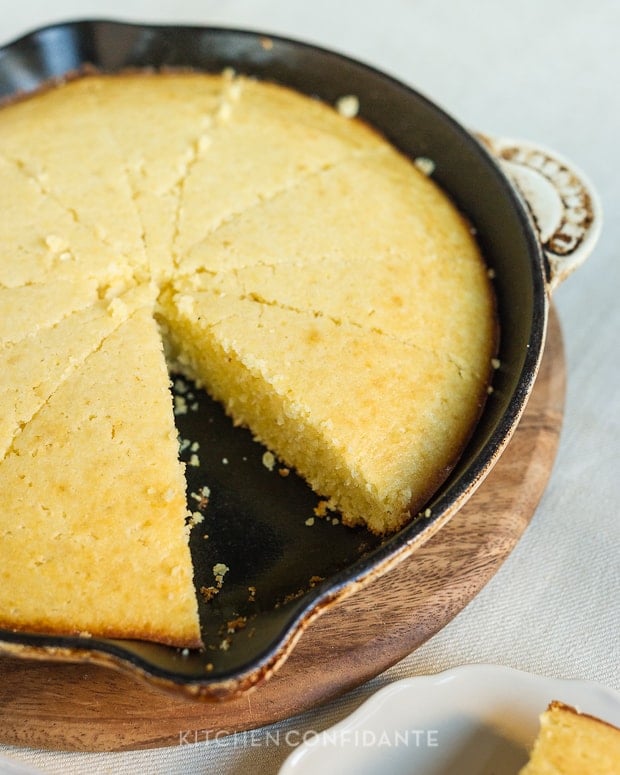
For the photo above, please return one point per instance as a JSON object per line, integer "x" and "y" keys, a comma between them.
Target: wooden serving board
{"x": 83, "y": 707}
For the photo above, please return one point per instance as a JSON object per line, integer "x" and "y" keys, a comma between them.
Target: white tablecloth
{"x": 546, "y": 71}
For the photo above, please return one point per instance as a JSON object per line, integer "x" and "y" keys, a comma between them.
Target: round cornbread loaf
{"x": 288, "y": 258}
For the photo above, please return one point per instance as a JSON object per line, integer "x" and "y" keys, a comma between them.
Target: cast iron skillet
{"x": 259, "y": 528}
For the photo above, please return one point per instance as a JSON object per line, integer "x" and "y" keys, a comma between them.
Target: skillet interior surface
{"x": 259, "y": 530}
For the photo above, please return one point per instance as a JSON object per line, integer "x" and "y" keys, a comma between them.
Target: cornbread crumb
{"x": 348, "y": 106}
{"x": 194, "y": 460}
{"x": 320, "y": 510}
{"x": 208, "y": 593}
{"x": 118, "y": 309}
{"x": 180, "y": 405}
{"x": 236, "y": 624}
{"x": 196, "y": 518}
{"x": 202, "y": 496}
{"x": 180, "y": 386}
{"x": 284, "y": 472}
{"x": 425, "y": 165}
{"x": 309, "y": 522}
{"x": 219, "y": 571}
{"x": 292, "y": 596}
{"x": 269, "y": 460}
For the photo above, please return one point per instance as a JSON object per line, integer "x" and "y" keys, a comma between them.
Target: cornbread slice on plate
{"x": 61, "y": 142}
{"x": 34, "y": 367}
{"x": 370, "y": 422}
{"x": 262, "y": 144}
{"x": 160, "y": 125}
{"x": 573, "y": 743}
{"x": 92, "y": 507}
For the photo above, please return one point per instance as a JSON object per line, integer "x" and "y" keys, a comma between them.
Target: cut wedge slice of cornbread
{"x": 30, "y": 308}
{"x": 34, "y": 367}
{"x": 160, "y": 127}
{"x": 573, "y": 743}
{"x": 61, "y": 141}
{"x": 92, "y": 508}
{"x": 40, "y": 238}
{"x": 370, "y": 422}
{"x": 363, "y": 206}
{"x": 410, "y": 298}
{"x": 270, "y": 144}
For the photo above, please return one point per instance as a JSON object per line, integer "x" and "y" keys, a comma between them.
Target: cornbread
{"x": 573, "y": 743}
{"x": 285, "y": 256}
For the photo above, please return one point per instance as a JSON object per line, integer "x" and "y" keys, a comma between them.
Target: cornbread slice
{"x": 372, "y": 241}
{"x": 92, "y": 507}
{"x": 410, "y": 298}
{"x": 62, "y": 143}
{"x": 40, "y": 238}
{"x": 269, "y": 138}
{"x": 573, "y": 743}
{"x": 160, "y": 125}
{"x": 371, "y": 423}
{"x": 27, "y": 309}
{"x": 362, "y": 207}
{"x": 34, "y": 366}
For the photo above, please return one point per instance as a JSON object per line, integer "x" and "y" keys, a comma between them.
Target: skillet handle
{"x": 563, "y": 203}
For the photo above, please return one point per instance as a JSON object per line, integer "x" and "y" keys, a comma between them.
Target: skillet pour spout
{"x": 537, "y": 218}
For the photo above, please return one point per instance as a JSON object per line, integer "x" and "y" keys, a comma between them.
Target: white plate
{"x": 472, "y": 720}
